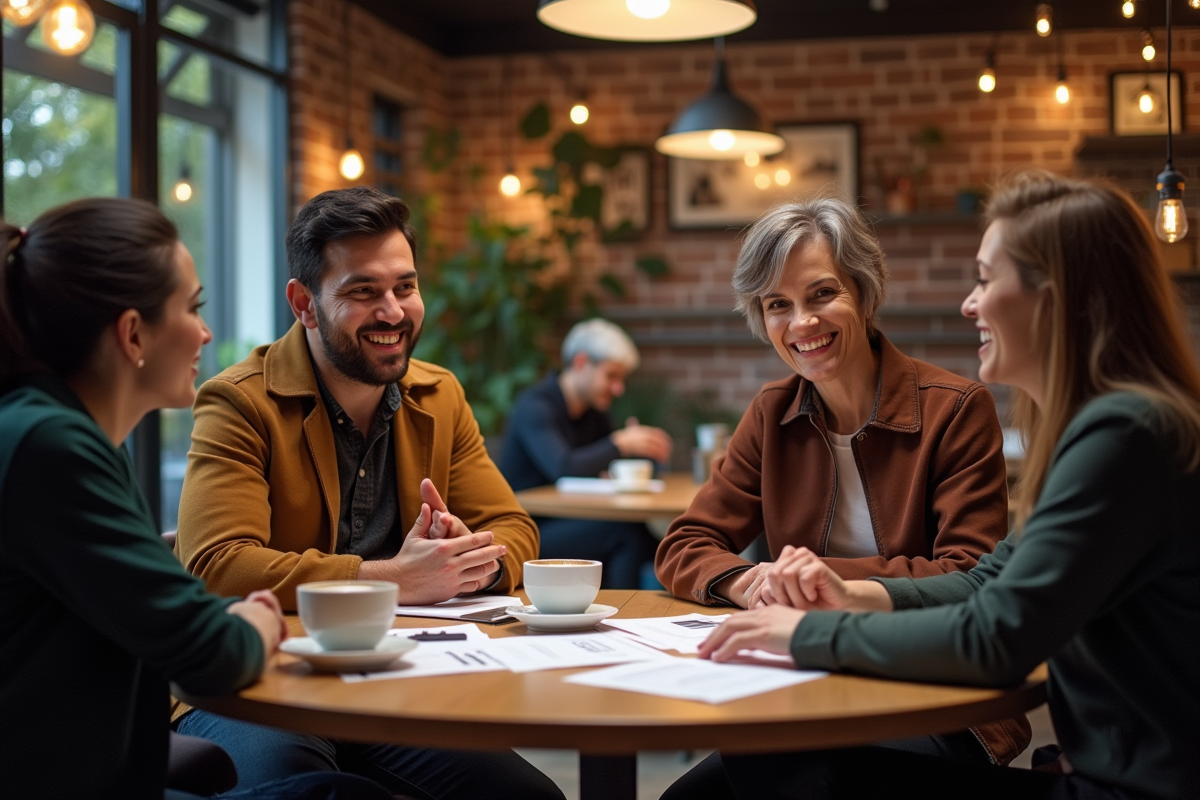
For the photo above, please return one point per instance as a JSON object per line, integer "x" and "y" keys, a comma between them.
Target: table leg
{"x": 607, "y": 777}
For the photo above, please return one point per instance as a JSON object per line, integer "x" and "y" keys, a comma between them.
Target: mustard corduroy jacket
{"x": 261, "y": 499}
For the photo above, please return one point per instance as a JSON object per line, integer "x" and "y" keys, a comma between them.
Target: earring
{"x": 141, "y": 363}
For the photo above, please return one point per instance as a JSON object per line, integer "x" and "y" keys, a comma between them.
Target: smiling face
{"x": 1004, "y": 311}
{"x": 369, "y": 309}
{"x": 814, "y": 318}
{"x": 173, "y": 343}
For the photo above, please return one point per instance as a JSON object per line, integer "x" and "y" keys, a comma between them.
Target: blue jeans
{"x": 623, "y": 547}
{"x": 318, "y": 786}
{"x": 264, "y": 754}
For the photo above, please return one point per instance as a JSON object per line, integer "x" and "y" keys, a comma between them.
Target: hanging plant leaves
{"x": 571, "y": 149}
{"x": 536, "y": 122}
{"x": 607, "y": 157}
{"x": 547, "y": 181}
{"x": 614, "y": 285}
{"x": 586, "y": 203}
{"x": 654, "y": 266}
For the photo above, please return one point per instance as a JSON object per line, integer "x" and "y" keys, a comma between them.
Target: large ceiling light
{"x": 648, "y": 20}
{"x": 719, "y": 126}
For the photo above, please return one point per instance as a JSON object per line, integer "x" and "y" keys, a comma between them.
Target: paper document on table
{"x": 531, "y": 653}
{"x": 599, "y": 486}
{"x": 434, "y": 657}
{"x": 459, "y": 607}
{"x": 683, "y": 633}
{"x": 695, "y": 679}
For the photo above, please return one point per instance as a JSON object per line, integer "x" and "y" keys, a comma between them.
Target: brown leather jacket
{"x": 932, "y": 466}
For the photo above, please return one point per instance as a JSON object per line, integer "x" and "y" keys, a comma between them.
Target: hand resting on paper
{"x": 800, "y": 579}
{"x": 440, "y": 557}
{"x": 767, "y": 628}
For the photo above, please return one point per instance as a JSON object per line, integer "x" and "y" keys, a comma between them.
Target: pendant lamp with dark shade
{"x": 648, "y": 20}
{"x": 719, "y": 126}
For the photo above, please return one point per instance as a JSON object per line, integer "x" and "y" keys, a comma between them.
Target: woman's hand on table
{"x": 262, "y": 610}
{"x": 767, "y": 628}
{"x": 800, "y": 579}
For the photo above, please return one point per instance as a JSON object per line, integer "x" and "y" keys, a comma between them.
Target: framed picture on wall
{"x": 731, "y": 194}
{"x": 625, "y": 201}
{"x": 1138, "y": 103}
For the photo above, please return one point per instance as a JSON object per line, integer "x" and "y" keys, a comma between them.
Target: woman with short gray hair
{"x": 880, "y": 464}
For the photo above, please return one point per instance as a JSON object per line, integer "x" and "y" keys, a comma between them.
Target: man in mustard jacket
{"x": 332, "y": 454}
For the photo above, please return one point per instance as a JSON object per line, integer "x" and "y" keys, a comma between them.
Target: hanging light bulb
{"x": 510, "y": 184}
{"x": 1127, "y": 9}
{"x": 751, "y": 159}
{"x": 648, "y": 20}
{"x": 1062, "y": 90}
{"x": 22, "y": 12}
{"x": 183, "y": 187}
{"x": 1146, "y": 100}
{"x": 1194, "y": 3}
{"x": 1171, "y": 222}
{"x": 987, "y": 78}
{"x": 1148, "y": 51}
{"x": 580, "y": 113}
{"x": 68, "y": 27}
{"x": 1044, "y": 14}
{"x": 351, "y": 164}
{"x": 722, "y": 140}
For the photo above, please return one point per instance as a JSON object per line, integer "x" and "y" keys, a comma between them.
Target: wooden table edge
{"x": 625, "y": 737}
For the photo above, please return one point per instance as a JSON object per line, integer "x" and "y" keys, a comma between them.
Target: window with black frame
{"x": 388, "y": 140}
{"x": 68, "y": 132}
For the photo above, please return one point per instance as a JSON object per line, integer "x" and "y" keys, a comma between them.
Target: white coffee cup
{"x": 632, "y": 474}
{"x": 347, "y": 615}
{"x": 562, "y": 585}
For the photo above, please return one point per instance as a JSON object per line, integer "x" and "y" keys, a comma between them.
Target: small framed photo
{"x": 731, "y": 194}
{"x": 1138, "y": 102}
{"x": 625, "y": 201}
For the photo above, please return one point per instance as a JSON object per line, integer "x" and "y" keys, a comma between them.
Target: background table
{"x": 547, "y": 501}
{"x": 497, "y": 710}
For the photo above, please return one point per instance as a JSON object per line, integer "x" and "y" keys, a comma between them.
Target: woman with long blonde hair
{"x": 1101, "y": 579}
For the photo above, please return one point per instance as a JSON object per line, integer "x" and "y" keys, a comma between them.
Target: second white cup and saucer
{"x": 347, "y": 623}
{"x": 561, "y": 591}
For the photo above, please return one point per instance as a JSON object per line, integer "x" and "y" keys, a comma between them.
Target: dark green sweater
{"x": 1104, "y": 584}
{"x": 96, "y": 615}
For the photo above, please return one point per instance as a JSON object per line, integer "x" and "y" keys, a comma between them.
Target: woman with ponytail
{"x": 1100, "y": 579}
{"x": 100, "y": 324}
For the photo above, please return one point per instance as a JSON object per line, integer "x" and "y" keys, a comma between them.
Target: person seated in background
{"x": 1101, "y": 576}
{"x": 100, "y": 324}
{"x": 561, "y": 427}
{"x": 881, "y": 464}
{"x": 333, "y": 454}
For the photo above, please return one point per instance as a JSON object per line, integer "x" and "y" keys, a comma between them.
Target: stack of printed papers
{"x": 682, "y": 634}
{"x": 694, "y": 679}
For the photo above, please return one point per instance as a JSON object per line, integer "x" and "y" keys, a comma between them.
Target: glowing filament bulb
{"x": 1127, "y": 9}
{"x": 1171, "y": 223}
{"x": 579, "y": 113}
{"x": 510, "y": 185}
{"x": 351, "y": 164}
{"x": 1044, "y": 13}
{"x": 1146, "y": 101}
{"x": 22, "y": 12}
{"x": 68, "y": 27}
{"x": 722, "y": 140}
{"x": 1148, "y": 50}
{"x": 751, "y": 159}
{"x": 1062, "y": 93}
{"x": 987, "y": 80}
{"x": 182, "y": 191}
{"x": 647, "y": 9}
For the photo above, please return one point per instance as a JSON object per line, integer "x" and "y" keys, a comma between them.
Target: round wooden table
{"x": 547, "y": 501}
{"x": 497, "y": 710}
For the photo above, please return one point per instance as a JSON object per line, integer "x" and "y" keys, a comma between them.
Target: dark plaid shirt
{"x": 370, "y": 520}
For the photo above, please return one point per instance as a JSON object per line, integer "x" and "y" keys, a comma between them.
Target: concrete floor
{"x": 657, "y": 771}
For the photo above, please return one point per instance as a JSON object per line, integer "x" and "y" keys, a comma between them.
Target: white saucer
{"x": 561, "y": 622}
{"x": 387, "y": 651}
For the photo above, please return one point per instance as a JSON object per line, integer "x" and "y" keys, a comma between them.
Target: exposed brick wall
{"x": 891, "y": 87}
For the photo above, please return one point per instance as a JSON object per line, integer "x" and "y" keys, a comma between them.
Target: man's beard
{"x": 346, "y": 354}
